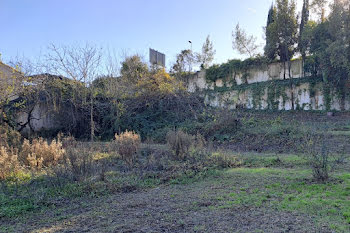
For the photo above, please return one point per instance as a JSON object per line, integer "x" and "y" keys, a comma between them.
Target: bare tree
{"x": 80, "y": 63}
{"x": 111, "y": 63}
{"x": 243, "y": 43}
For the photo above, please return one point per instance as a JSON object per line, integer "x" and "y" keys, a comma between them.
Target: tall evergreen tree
{"x": 281, "y": 33}
{"x": 304, "y": 20}
{"x": 287, "y": 29}
{"x": 302, "y": 43}
{"x": 270, "y": 33}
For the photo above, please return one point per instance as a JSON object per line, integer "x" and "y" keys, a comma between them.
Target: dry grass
{"x": 40, "y": 153}
{"x": 34, "y": 155}
{"x": 8, "y": 163}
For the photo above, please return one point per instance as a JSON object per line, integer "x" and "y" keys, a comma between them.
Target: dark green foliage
{"x": 270, "y": 48}
{"x": 329, "y": 45}
{"x": 281, "y": 31}
{"x": 304, "y": 21}
{"x": 217, "y": 125}
{"x": 151, "y": 117}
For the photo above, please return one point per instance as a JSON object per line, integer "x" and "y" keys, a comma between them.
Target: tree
{"x": 303, "y": 43}
{"x": 244, "y": 43}
{"x": 207, "y": 56}
{"x": 330, "y": 47}
{"x": 284, "y": 31}
{"x": 149, "y": 105}
{"x": 133, "y": 68}
{"x": 270, "y": 48}
{"x": 81, "y": 64}
{"x": 184, "y": 59}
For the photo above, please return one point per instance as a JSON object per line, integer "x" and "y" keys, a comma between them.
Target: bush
{"x": 8, "y": 163}
{"x": 180, "y": 143}
{"x": 128, "y": 145}
{"x": 40, "y": 153}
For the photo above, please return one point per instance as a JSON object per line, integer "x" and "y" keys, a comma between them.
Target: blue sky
{"x": 128, "y": 26}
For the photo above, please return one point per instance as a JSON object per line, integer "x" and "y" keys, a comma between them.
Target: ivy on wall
{"x": 275, "y": 90}
{"x": 235, "y": 67}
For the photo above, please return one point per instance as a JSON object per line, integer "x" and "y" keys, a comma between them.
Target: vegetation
{"x": 270, "y": 48}
{"x": 282, "y": 24}
{"x": 206, "y": 57}
{"x": 180, "y": 143}
{"x": 128, "y": 145}
{"x": 184, "y": 62}
{"x": 137, "y": 143}
{"x": 302, "y": 43}
{"x": 233, "y": 68}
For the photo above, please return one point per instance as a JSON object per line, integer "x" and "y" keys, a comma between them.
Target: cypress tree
{"x": 304, "y": 20}
{"x": 270, "y": 47}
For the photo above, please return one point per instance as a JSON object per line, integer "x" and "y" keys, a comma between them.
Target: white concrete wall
{"x": 298, "y": 97}
{"x": 273, "y": 71}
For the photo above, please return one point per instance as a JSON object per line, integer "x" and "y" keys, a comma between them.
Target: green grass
{"x": 340, "y": 133}
{"x": 22, "y": 198}
{"x": 292, "y": 190}
{"x": 192, "y": 176}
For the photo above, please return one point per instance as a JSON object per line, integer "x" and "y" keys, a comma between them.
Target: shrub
{"x": 8, "y": 163}
{"x": 319, "y": 157}
{"x": 179, "y": 142}
{"x": 128, "y": 145}
{"x": 40, "y": 153}
{"x": 78, "y": 164}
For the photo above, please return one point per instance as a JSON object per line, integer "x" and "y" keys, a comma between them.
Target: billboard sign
{"x": 156, "y": 58}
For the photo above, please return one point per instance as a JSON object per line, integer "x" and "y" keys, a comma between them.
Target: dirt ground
{"x": 194, "y": 207}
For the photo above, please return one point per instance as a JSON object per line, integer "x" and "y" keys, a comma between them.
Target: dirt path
{"x": 175, "y": 208}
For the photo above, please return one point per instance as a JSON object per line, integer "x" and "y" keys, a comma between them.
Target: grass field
{"x": 268, "y": 193}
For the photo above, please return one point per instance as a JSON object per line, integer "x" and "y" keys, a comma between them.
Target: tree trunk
{"x": 292, "y": 94}
{"x": 303, "y": 57}
{"x": 92, "y": 123}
